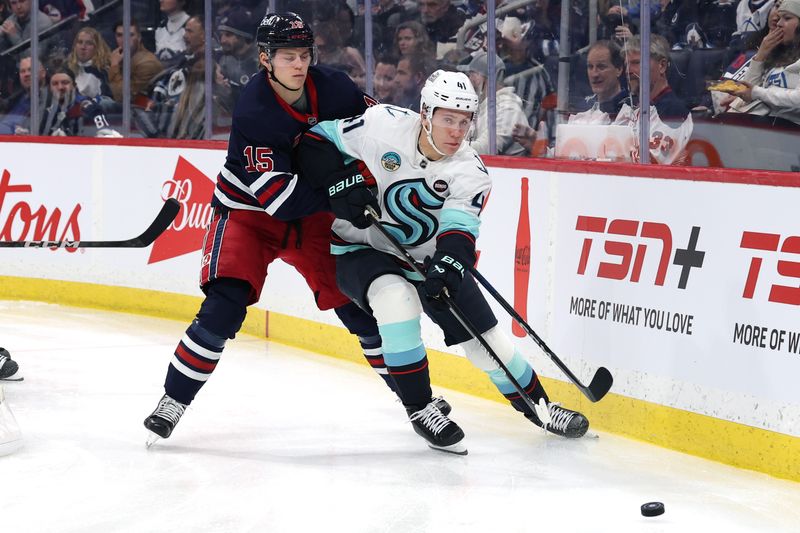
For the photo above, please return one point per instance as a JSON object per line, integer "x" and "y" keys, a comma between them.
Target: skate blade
{"x": 12, "y": 378}
{"x": 455, "y": 449}
{"x": 152, "y": 438}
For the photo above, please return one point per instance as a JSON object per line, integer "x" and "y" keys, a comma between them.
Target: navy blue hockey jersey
{"x": 257, "y": 174}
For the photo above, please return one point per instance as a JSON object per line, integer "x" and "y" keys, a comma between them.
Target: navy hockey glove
{"x": 350, "y": 192}
{"x": 443, "y": 272}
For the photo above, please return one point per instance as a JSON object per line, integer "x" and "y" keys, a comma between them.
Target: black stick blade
{"x": 164, "y": 218}
{"x": 600, "y": 385}
{"x": 168, "y": 212}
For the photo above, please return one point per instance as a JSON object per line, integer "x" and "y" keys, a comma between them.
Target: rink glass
{"x": 544, "y": 46}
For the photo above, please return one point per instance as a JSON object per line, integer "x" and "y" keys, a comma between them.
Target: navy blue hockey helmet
{"x": 284, "y": 30}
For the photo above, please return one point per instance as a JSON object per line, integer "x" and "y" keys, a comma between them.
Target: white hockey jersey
{"x": 419, "y": 198}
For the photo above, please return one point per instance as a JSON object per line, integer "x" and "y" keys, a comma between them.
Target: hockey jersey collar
{"x": 311, "y": 90}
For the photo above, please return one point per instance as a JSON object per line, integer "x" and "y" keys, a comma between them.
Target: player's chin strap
{"x": 428, "y": 132}
{"x": 276, "y": 80}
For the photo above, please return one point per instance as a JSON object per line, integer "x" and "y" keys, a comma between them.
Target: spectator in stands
{"x": 239, "y": 59}
{"x": 508, "y": 108}
{"x": 358, "y": 73}
{"x": 5, "y": 11}
{"x": 412, "y": 71}
{"x": 442, "y": 21}
{"x": 59, "y": 10}
{"x": 387, "y": 15}
{"x": 169, "y": 34}
{"x": 89, "y": 60}
{"x": 332, "y": 51}
{"x": 411, "y": 38}
{"x": 345, "y": 22}
{"x": 542, "y": 36}
{"x": 17, "y": 27}
{"x": 177, "y": 104}
{"x": 705, "y": 24}
{"x": 383, "y": 79}
{"x": 749, "y": 46}
{"x": 145, "y": 66}
{"x": 616, "y": 28}
{"x": 604, "y": 67}
{"x": 666, "y": 102}
{"x": 340, "y": 17}
{"x": 18, "y": 119}
{"x": 61, "y": 115}
{"x": 66, "y": 112}
{"x": 773, "y": 78}
{"x": 752, "y": 15}
{"x": 634, "y": 9}
{"x": 513, "y": 47}
{"x": 717, "y": 22}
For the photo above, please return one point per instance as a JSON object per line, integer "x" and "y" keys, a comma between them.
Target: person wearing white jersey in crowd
{"x": 773, "y": 77}
{"x": 429, "y": 187}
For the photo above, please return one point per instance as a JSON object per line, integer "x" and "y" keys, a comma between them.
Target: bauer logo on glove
{"x": 349, "y": 181}
{"x": 453, "y": 263}
{"x": 350, "y": 192}
{"x": 444, "y": 276}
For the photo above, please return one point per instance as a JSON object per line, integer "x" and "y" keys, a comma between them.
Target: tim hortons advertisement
{"x": 91, "y": 192}
{"x": 104, "y": 193}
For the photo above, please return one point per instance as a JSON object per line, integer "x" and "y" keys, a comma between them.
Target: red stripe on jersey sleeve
{"x": 266, "y": 197}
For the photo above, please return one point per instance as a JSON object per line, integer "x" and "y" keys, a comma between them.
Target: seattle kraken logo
{"x": 408, "y": 202}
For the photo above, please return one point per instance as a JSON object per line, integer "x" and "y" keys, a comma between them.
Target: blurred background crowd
{"x": 539, "y": 66}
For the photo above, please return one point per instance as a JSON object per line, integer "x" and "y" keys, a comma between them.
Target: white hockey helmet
{"x": 448, "y": 90}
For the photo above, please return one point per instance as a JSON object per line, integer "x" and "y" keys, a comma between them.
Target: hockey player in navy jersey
{"x": 263, "y": 212}
{"x": 429, "y": 188}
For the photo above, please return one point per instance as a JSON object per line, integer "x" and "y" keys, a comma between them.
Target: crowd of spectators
{"x": 692, "y": 43}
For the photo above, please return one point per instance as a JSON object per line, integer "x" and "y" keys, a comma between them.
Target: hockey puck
{"x": 652, "y": 509}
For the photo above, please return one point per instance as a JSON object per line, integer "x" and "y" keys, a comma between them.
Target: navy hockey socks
{"x": 373, "y": 352}
{"x": 195, "y": 359}
{"x": 364, "y": 326}
{"x": 413, "y": 382}
{"x": 407, "y": 362}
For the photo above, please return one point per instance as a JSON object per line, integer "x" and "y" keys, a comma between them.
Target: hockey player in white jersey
{"x": 429, "y": 188}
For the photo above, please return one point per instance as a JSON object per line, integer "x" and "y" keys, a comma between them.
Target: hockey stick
{"x": 162, "y": 221}
{"x": 372, "y": 216}
{"x": 602, "y": 380}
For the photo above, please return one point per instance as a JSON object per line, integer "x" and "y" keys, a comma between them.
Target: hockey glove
{"x": 443, "y": 272}
{"x": 350, "y": 192}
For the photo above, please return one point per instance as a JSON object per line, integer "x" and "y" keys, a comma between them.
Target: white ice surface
{"x": 286, "y": 440}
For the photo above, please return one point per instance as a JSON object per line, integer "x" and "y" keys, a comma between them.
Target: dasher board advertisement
{"x": 688, "y": 291}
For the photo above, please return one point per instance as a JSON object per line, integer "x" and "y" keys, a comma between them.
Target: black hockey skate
{"x": 559, "y": 420}
{"x": 443, "y": 406}
{"x": 8, "y": 368}
{"x": 440, "y": 432}
{"x": 441, "y": 403}
{"x": 164, "y": 418}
